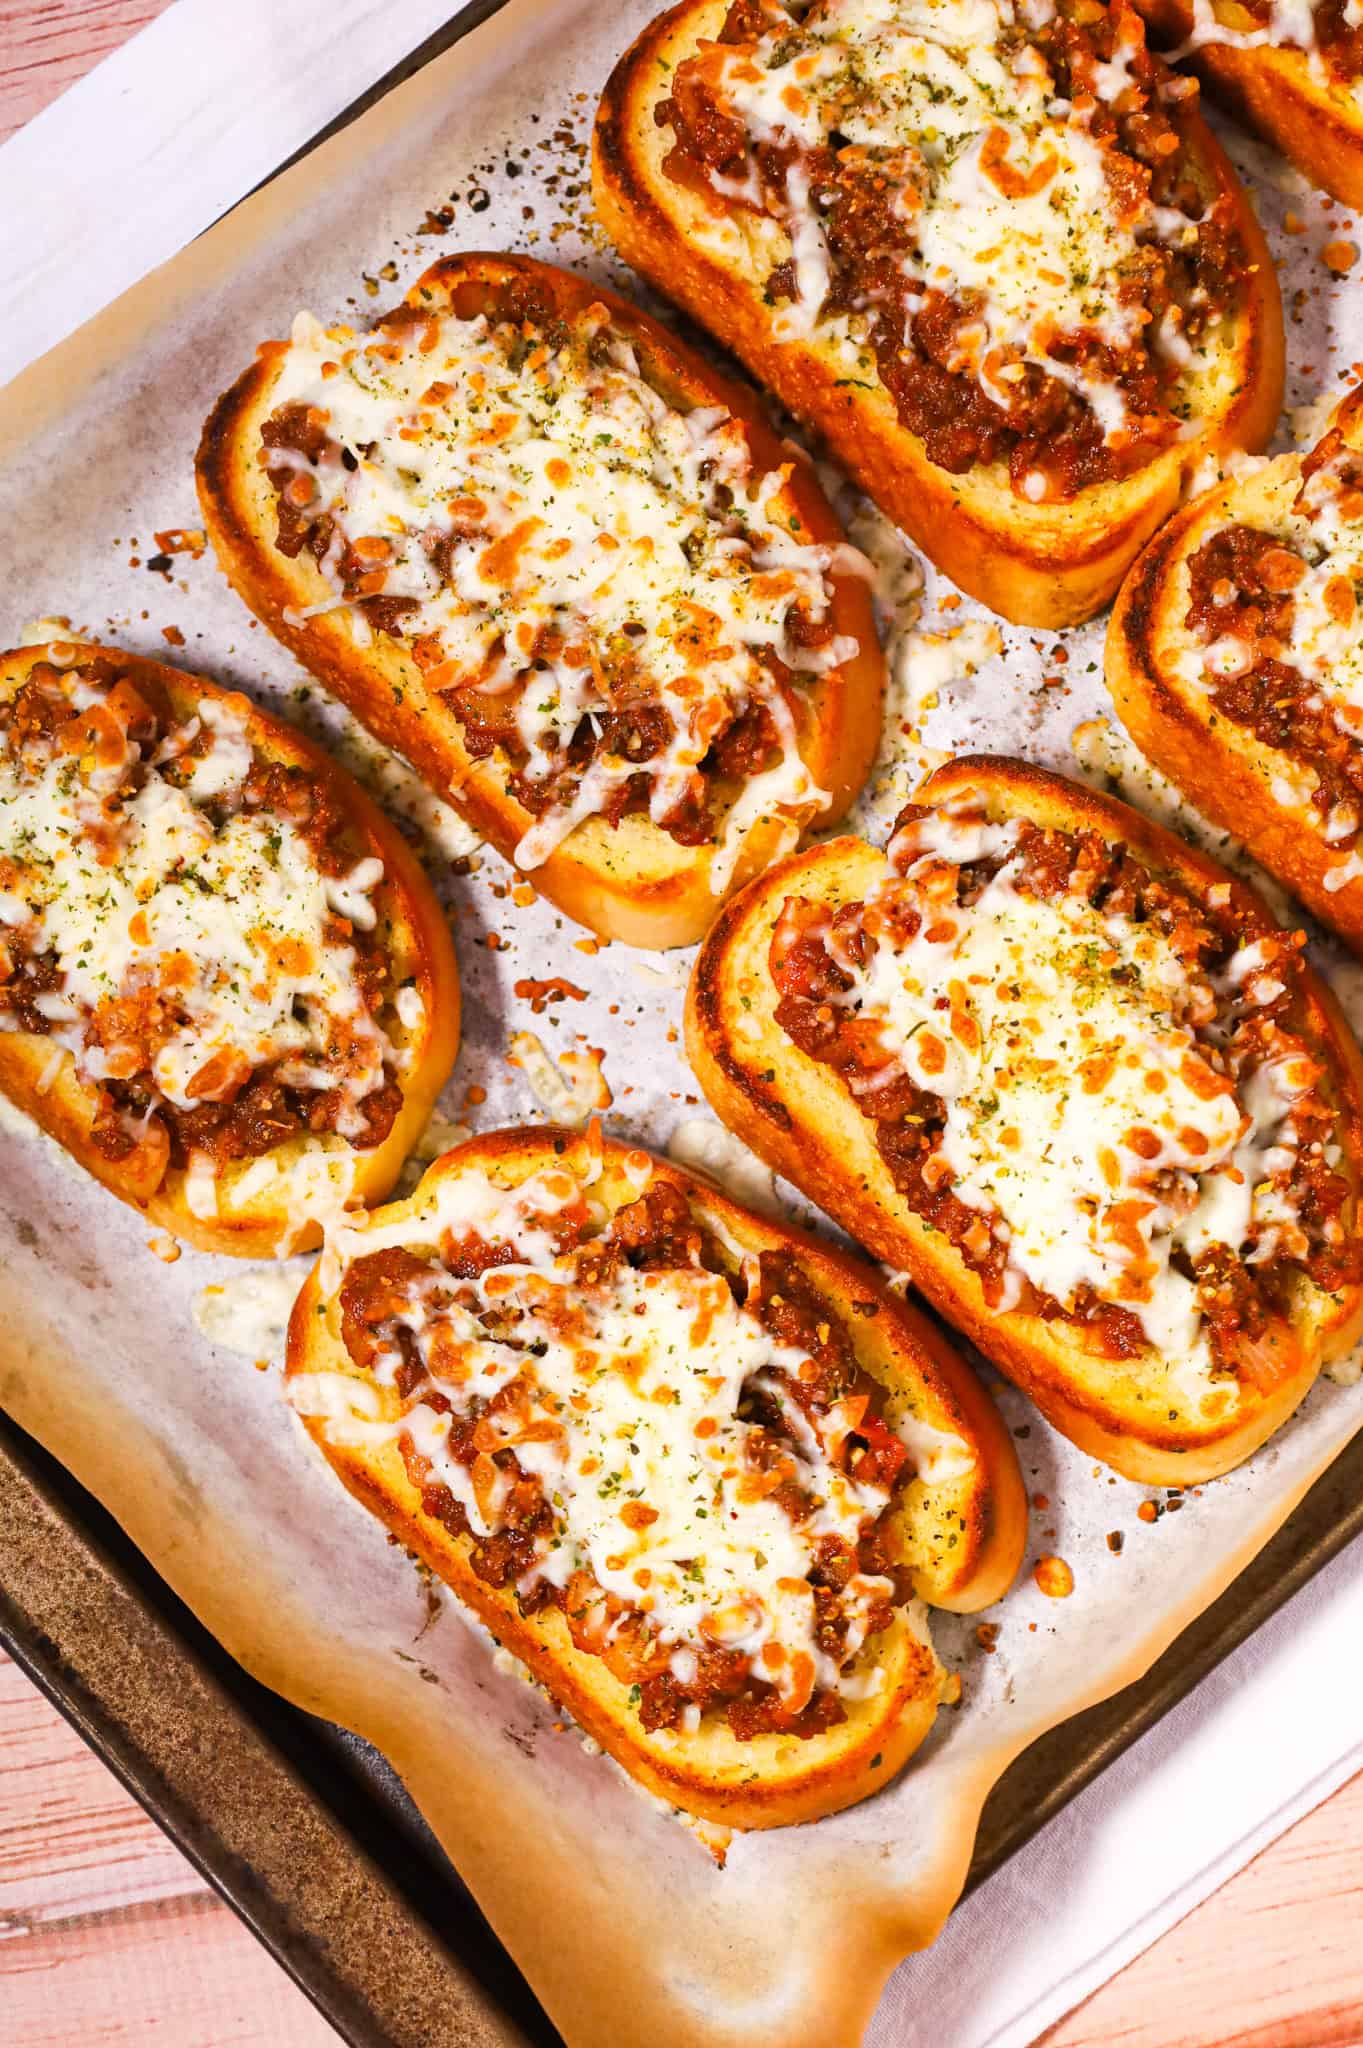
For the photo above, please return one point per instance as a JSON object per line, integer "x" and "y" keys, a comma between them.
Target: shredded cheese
{"x": 1322, "y": 526}
{"x": 189, "y": 938}
{"x": 1083, "y": 1114}
{"x": 1015, "y": 209}
{"x": 574, "y": 546}
{"x": 630, "y": 1418}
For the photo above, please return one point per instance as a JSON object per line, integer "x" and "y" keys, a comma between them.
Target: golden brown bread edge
{"x": 1222, "y": 767}
{"x": 798, "y": 1117}
{"x": 965, "y": 1535}
{"x": 421, "y": 951}
{"x": 1316, "y": 124}
{"x": 632, "y": 881}
{"x": 1049, "y": 565}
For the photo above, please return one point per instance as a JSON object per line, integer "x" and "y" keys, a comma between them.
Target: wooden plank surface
{"x": 107, "y": 1934}
{"x": 109, "y": 1939}
{"x": 71, "y": 1841}
{"x": 48, "y": 46}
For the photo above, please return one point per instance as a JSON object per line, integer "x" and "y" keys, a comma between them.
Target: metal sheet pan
{"x": 310, "y": 1838}
{"x": 305, "y": 1830}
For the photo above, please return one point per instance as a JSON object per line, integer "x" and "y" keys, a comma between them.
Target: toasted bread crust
{"x": 632, "y": 881}
{"x": 797, "y": 1115}
{"x": 1048, "y": 565}
{"x": 966, "y": 1544}
{"x": 421, "y": 948}
{"x": 1273, "y": 92}
{"x": 1225, "y": 769}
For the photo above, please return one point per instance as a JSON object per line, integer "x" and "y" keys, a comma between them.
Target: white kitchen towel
{"x": 150, "y": 147}
{"x": 1273, "y": 1731}
{"x": 112, "y": 180}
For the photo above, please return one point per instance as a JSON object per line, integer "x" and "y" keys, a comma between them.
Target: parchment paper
{"x": 625, "y": 1924}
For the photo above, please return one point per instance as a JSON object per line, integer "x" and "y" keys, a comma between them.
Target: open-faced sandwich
{"x": 1291, "y": 69}
{"x": 1235, "y": 660}
{"x": 544, "y": 551}
{"x": 991, "y": 252}
{"x": 226, "y": 986}
{"x": 1072, "y": 1079}
{"x": 697, "y": 1470}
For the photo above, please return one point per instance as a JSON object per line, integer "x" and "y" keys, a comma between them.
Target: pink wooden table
{"x": 107, "y": 1936}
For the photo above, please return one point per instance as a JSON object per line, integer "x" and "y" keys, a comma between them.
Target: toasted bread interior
{"x": 1154, "y": 1418}
{"x": 268, "y": 1203}
{"x": 958, "y": 1526}
{"x": 1049, "y": 564}
{"x": 630, "y": 880}
{"x": 1246, "y": 775}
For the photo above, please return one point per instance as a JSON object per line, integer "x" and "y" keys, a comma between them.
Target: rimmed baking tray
{"x": 305, "y": 1830}
{"x": 309, "y": 1836}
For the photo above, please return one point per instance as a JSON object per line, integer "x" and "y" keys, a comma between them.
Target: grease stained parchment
{"x": 621, "y": 1919}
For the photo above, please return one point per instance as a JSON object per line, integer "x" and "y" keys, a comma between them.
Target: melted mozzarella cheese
{"x": 561, "y": 491}
{"x": 1011, "y": 193}
{"x": 179, "y": 941}
{"x": 1289, "y": 24}
{"x": 633, "y": 1428}
{"x": 1082, "y": 1113}
{"x": 1324, "y": 640}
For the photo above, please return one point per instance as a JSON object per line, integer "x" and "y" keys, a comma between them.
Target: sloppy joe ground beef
{"x": 634, "y": 726}
{"x": 263, "y": 1111}
{"x": 1241, "y": 583}
{"x": 655, "y": 1233}
{"x": 1048, "y": 429}
{"x": 1239, "y": 1301}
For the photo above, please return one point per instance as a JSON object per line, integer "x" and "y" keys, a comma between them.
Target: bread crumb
{"x": 181, "y": 540}
{"x": 713, "y": 1838}
{"x": 165, "y": 1249}
{"x": 1339, "y": 256}
{"x": 1054, "y": 1577}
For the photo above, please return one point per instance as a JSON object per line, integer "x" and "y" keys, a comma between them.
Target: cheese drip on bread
{"x": 1281, "y": 24}
{"x": 632, "y": 1391}
{"x": 1091, "y": 1116}
{"x": 1015, "y": 209}
{"x": 1287, "y": 598}
{"x": 184, "y": 936}
{"x": 570, "y": 542}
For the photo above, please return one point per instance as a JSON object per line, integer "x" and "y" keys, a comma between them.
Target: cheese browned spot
{"x": 600, "y": 585}
{"x": 989, "y": 209}
{"x": 1087, "y": 1078}
{"x": 635, "y": 1421}
{"x": 188, "y": 922}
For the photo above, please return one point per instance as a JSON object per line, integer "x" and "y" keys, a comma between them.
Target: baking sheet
{"x": 340, "y": 1880}
{"x": 190, "y": 1445}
